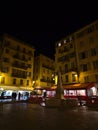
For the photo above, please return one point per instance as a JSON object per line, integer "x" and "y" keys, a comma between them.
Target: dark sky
{"x": 43, "y": 24}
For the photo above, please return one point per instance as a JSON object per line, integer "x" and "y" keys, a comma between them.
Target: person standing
{"x": 2, "y": 95}
{"x": 19, "y": 95}
{"x": 44, "y": 95}
{"x": 79, "y": 100}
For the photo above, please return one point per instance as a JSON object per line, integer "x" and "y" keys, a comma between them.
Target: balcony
{"x": 17, "y": 75}
{"x": 48, "y": 81}
{"x": 73, "y": 69}
{"x": 16, "y": 56}
{"x": 48, "y": 67}
{"x": 20, "y": 66}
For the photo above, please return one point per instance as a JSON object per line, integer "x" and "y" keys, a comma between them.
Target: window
{"x": 66, "y": 78}
{"x": 96, "y": 25}
{"x": 93, "y": 52}
{"x": 21, "y": 82}
{"x": 66, "y": 49}
{"x": 24, "y": 50}
{"x": 47, "y": 71}
{"x": 7, "y": 43}
{"x": 90, "y": 29}
{"x": 83, "y": 55}
{"x": 23, "y": 57}
{"x": 72, "y": 65}
{"x": 5, "y": 69}
{"x": 85, "y": 67}
{"x": 81, "y": 44}
{"x": 14, "y": 81}
{"x": 71, "y": 55}
{"x": 7, "y": 51}
{"x": 47, "y": 78}
{"x": 65, "y": 41}
{"x": 71, "y": 45}
{"x": 60, "y": 68}
{"x": 95, "y": 64}
{"x": 27, "y": 82}
{"x": 29, "y": 74}
{"x": 59, "y": 44}
{"x": 66, "y": 67}
{"x": 91, "y": 40}
{"x": 86, "y": 79}
{"x": 18, "y": 47}
{"x": 43, "y": 77}
{"x": 5, "y": 59}
{"x": 30, "y": 52}
{"x": 73, "y": 78}
{"x": 29, "y": 66}
{"x": 63, "y": 58}
{"x": 43, "y": 70}
{"x": 70, "y": 39}
{"x": 29, "y": 58}
{"x": 80, "y": 34}
{"x": 96, "y": 77}
{"x": 3, "y": 80}
{"x": 59, "y": 51}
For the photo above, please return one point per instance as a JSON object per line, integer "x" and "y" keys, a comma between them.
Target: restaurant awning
{"x": 26, "y": 88}
{"x": 42, "y": 88}
{"x": 16, "y": 88}
{"x": 74, "y": 86}
{"x": 78, "y": 86}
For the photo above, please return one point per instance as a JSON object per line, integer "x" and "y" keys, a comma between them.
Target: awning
{"x": 78, "y": 86}
{"x": 42, "y": 88}
{"x": 16, "y": 88}
{"x": 26, "y": 88}
{"x": 9, "y": 88}
{"x": 74, "y": 86}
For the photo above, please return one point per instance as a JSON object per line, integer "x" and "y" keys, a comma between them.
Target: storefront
{"x": 6, "y": 92}
{"x": 73, "y": 90}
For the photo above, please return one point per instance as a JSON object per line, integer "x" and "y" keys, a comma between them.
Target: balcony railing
{"x": 45, "y": 80}
{"x": 48, "y": 67}
{"x": 18, "y": 75}
{"x": 19, "y": 58}
{"x": 69, "y": 70}
{"x": 20, "y": 66}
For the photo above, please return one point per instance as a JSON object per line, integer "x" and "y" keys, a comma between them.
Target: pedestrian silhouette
{"x": 19, "y": 96}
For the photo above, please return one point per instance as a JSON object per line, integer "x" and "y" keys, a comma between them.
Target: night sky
{"x": 43, "y": 24}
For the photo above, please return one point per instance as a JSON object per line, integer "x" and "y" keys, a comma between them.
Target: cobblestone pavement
{"x": 26, "y": 116}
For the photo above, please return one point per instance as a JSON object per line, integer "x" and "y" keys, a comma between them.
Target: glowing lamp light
{"x": 76, "y": 75}
{"x": 33, "y": 82}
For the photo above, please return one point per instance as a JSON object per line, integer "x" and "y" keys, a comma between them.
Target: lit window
{"x": 94, "y": 90}
{"x": 59, "y": 44}
{"x": 65, "y": 41}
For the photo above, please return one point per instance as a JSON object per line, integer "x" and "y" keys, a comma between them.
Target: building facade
{"x": 77, "y": 57}
{"x": 87, "y": 52}
{"x": 43, "y": 72}
{"x": 16, "y": 64}
{"x": 65, "y": 59}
